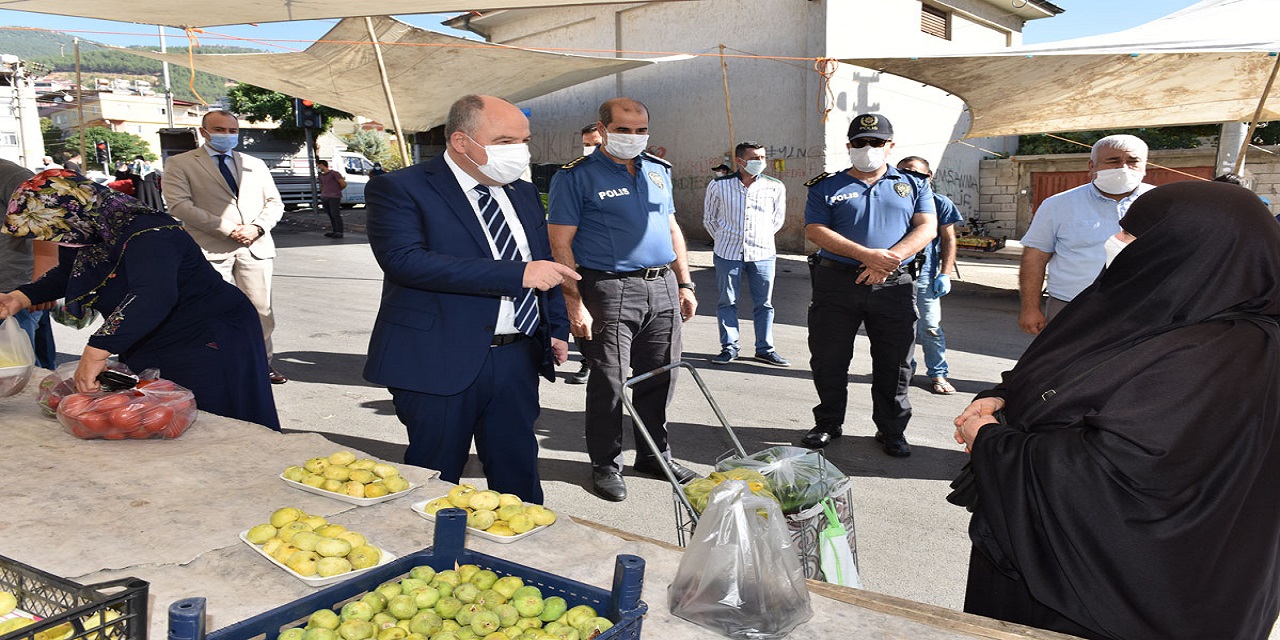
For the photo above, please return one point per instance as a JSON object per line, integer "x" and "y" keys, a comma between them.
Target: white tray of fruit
{"x": 501, "y": 517}
{"x": 343, "y": 477}
{"x": 312, "y": 549}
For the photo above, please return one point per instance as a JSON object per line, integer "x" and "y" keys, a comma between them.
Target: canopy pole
{"x": 728, "y": 105}
{"x": 386, "y": 89}
{"x": 1257, "y": 115}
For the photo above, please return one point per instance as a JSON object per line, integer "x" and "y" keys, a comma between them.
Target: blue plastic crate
{"x": 621, "y": 605}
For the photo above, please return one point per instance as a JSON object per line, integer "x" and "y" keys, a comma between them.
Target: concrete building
{"x": 119, "y": 105}
{"x": 20, "y": 137}
{"x": 777, "y": 95}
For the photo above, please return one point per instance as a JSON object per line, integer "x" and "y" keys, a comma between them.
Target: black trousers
{"x": 333, "y": 207}
{"x": 635, "y": 327}
{"x": 497, "y": 411}
{"x": 888, "y": 311}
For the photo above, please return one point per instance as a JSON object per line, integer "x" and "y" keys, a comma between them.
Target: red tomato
{"x": 127, "y": 417}
{"x": 159, "y": 384}
{"x": 54, "y": 401}
{"x": 75, "y": 404}
{"x": 96, "y": 423}
{"x": 78, "y": 430}
{"x": 109, "y": 401}
{"x": 157, "y": 418}
{"x": 112, "y": 434}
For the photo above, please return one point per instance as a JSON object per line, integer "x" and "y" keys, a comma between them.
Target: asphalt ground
{"x": 911, "y": 543}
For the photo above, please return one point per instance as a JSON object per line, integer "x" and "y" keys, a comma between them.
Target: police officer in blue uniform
{"x": 612, "y": 217}
{"x": 869, "y": 221}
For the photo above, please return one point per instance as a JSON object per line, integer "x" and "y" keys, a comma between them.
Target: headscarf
{"x": 1148, "y": 509}
{"x": 1202, "y": 249}
{"x": 69, "y": 209}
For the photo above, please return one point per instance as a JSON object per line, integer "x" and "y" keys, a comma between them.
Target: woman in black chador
{"x": 1125, "y": 475}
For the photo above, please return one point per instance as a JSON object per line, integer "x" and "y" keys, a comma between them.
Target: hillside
{"x": 56, "y": 52}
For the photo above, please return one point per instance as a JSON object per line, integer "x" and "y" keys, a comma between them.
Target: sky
{"x": 1081, "y": 18}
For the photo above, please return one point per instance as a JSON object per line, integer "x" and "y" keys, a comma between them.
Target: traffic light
{"x": 306, "y": 114}
{"x": 103, "y": 151}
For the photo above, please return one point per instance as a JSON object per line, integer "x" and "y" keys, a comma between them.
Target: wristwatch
{"x": 688, "y": 285}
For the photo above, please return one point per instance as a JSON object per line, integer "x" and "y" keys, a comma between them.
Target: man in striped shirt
{"x": 743, "y": 212}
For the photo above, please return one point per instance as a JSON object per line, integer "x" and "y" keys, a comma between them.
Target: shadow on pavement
{"x": 322, "y": 367}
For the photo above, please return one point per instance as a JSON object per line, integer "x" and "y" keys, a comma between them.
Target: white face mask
{"x": 755, "y": 167}
{"x": 868, "y": 158}
{"x": 1113, "y": 246}
{"x": 507, "y": 162}
{"x": 588, "y": 150}
{"x": 224, "y": 142}
{"x": 1118, "y": 181}
{"x": 625, "y": 146}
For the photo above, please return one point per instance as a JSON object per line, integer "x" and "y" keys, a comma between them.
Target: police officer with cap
{"x": 869, "y": 222}
{"x": 612, "y": 217}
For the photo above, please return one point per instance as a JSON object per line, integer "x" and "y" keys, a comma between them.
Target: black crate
{"x": 621, "y": 605}
{"x": 58, "y": 601}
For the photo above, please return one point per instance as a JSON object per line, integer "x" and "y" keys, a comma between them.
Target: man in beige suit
{"x": 229, "y": 204}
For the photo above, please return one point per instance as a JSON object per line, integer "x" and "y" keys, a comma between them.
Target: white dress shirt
{"x": 507, "y": 309}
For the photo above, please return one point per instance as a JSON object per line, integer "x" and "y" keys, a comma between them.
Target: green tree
{"x": 53, "y": 135}
{"x": 124, "y": 146}
{"x": 373, "y": 144}
{"x": 256, "y": 104}
{"x": 1156, "y": 138}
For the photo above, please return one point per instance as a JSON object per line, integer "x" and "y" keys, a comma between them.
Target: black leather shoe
{"x": 581, "y": 376}
{"x": 333, "y": 234}
{"x": 820, "y": 436}
{"x": 682, "y": 473}
{"x": 609, "y": 485}
{"x": 895, "y": 446}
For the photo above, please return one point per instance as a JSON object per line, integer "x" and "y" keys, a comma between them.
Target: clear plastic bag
{"x": 740, "y": 575}
{"x": 62, "y": 383}
{"x": 800, "y": 478}
{"x": 156, "y": 408}
{"x": 17, "y": 358}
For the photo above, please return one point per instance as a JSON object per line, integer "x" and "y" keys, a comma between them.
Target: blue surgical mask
{"x": 755, "y": 167}
{"x": 224, "y": 142}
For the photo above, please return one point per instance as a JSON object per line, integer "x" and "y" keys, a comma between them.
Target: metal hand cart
{"x": 805, "y": 525}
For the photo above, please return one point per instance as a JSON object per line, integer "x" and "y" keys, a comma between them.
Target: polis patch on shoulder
{"x": 656, "y": 179}
{"x": 902, "y": 189}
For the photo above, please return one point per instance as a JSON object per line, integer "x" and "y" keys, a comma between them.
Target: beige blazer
{"x": 196, "y": 194}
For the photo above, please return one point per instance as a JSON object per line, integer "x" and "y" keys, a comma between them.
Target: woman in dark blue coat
{"x": 164, "y": 306}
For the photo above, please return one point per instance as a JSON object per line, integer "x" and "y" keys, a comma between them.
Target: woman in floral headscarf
{"x": 164, "y": 306}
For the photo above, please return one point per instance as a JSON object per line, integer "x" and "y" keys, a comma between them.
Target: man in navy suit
{"x": 471, "y": 307}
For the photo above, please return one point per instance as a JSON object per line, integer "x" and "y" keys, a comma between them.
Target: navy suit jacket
{"x": 441, "y": 285}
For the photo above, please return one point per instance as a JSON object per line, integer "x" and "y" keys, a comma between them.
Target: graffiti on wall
{"x": 960, "y": 186}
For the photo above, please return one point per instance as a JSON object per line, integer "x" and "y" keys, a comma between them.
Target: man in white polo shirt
{"x": 1069, "y": 229}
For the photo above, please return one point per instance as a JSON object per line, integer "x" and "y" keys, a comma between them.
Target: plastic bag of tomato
{"x": 155, "y": 408}
{"x": 61, "y": 383}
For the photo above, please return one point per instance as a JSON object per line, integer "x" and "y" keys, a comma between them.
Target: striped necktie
{"x": 500, "y": 233}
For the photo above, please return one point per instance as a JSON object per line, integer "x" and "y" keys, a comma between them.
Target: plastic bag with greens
{"x": 799, "y": 478}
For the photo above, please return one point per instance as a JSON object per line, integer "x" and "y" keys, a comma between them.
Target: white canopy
{"x": 187, "y": 13}
{"x": 1207, "y": 63}
{"x": 427, "y": 70}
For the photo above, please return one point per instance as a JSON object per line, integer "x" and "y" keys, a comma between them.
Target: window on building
{"x": 8, "y": 138}
{"x": 935, "y": 22}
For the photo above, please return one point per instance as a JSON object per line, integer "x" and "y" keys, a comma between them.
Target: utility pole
{"x": 168, "y": 91}
{"x": 80, "y": 102}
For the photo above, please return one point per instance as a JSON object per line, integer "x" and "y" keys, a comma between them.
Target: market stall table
{"x": 170, "y": 512}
